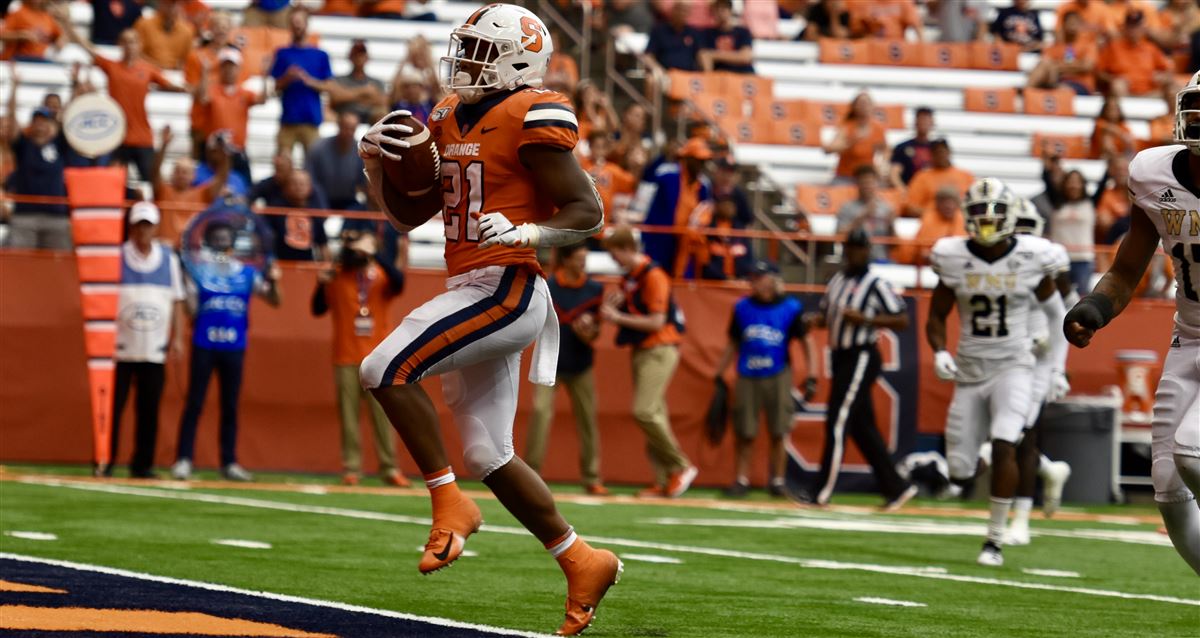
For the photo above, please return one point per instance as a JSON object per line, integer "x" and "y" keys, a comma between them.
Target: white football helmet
{"x": 987, "y": 211}
{"x": 1026, "y": 218}
{"x": 500, "y": 47}
{"x": 1187, "y": 115}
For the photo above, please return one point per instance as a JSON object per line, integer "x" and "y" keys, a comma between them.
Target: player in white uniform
{"x": 996, "y": 279}
{"x": 1164, "y": 185}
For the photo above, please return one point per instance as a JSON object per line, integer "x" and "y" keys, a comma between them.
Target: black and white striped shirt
{"x": 869, "y": 295}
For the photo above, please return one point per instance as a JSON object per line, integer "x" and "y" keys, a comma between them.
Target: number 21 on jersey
{"x": 982, "y": 323}
{"x": 462, "y": 194}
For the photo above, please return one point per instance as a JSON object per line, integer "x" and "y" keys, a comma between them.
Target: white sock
{"x": 1022, "y": 505}
{"x": 998, "y": 519}
{"x": 1182, "y": 521}
{"x": 440, "y": 480}
{"x": 561, "y": 546}
{"x": 1043, "y": 465}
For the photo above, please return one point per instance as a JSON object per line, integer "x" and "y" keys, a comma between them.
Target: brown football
{"x": 418, "y": 171}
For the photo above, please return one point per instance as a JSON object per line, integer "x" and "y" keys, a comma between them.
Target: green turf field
{"x": 729, "y": 568}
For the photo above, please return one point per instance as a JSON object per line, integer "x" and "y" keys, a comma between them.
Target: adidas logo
{"x": 1175, "y": 343}
{"x": 1167, "y": 197}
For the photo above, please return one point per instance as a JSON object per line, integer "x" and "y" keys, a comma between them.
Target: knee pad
{"x": 371, "y": 370}
{"x": 962, "y": 468}
{"x": 1168, "y": 485}
{"x": 1188, "y": 467}
{"x": 481, "y": 453}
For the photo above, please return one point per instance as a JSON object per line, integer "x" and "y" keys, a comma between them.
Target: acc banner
{"x": 894, "y": 395}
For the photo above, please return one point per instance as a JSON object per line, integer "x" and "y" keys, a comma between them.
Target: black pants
{"x": 851, "y": 412}
{"x": 141, "y": 157}
{"x": 228, "y": 366}
{"x": 149, "y": 378}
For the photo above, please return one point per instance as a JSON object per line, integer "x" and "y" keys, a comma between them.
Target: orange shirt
{"x": 1114, "y": 204}
{"x": 611, "y": 180}
{"x": 883, "y": 18}
{"x": 925, "y": 184}
{"x": 861, "y": 151}
{"x": 178, "y": 208}
{"x": 1082, "y": 50}
{"x": 128, "y": 84}
{"x": 1162, "y": 129}
{"x": 1118, "y": 143}
{"x": 1137, "y": 63}
{"x": 482, "y": 170}
{"x": 229, "y": 108}
{"x": 41, "y": 23}
{"x": 368, "y": 9}
{"x": 192, "y": 67}
{"x": 339, "y": 8}
{"x": 348, "y": 294}
{"x": 167, "y": 49}
{"x": 933, "y": 227}
{"x": 1097, "y": 18}
{"x": 655, "y": 294}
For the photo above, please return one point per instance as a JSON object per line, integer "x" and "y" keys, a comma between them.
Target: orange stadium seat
{"x": 994, "y": 56}
{"x": 1050, "y": 101}
{"x": 1065, "y": 146}
{"x": 946, "y": 55}
{"x": 830, "y": 113}
{"x": 844, "y": 51}
{"x": 895, "y": 53}
{"x": 686, "y": 86}
{"x": 715, "y": 106}
{"x": 890, "y": 115}
{"x": 797, "y": 133}
{"x": 748, "y": 131}
{"x": 785, "y": 110}
{"x": 824, "y": 200}
{"x": 989, "y": 100}
{"x": 746, "y": 87}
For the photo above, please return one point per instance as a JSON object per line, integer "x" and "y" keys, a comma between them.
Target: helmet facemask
{"x": 469, "y": 52}
{"x": 1187, "y": 117}
{"x": 988, "y": 222}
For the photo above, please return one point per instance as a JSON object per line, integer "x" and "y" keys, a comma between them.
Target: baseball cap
{"x": 230, "y": 54}
{"x": 43, "y": 111}
{"x": 697, "y": 148}
{"x": 763, "y": 267}
{"x": 144, "y": 212}
{"x": 858, "y": 237}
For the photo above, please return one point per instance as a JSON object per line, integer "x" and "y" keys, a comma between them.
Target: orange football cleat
{"x": 590, "y": 572}
{"x": 595, "y": 489}
{"x": 350, "y": 478}
{"x": 396, "y": 479}
{"x": 451, "y": 527}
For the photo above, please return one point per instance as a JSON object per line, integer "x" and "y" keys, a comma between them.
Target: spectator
{"x": 410, "y": 92}
{"x": 626, "y": 16}
{"x": 1070, "y": 61}
{"x": 356, "y": 293}
{"x": 111, "y": 17}
{"x": 1097, "y": 20}
{"x": 728, "y": 257}
{"x": 267, "y": 13}
{"x": 761, "y": 330}
{"x": 1112, "y": 199}
{"x": 166, "y": 37}
{"x": 634, "y": 130}
{"x": 927, "y": 181}
{"x": 298, "y": 234}
{"x": 382, "y": 9}
{"x": 204, "y": 58}
{"x": 150, "y": 315}
{"x": 577, "y": 298}
{"x": 1177, "y": 21}
{"x": 1111, "y": 134}
{"x": 594, "y": 110}
{"x": 301, "y": 114}
{"x": 1019, "y": 25}
{"x": 178, "y": 198}
{"x": 728, "y": 45}
{"x": 910, "y": 156}
{"x": 614, "y": 185}
{"x": 679, "y": 188}
{"x": 197, "y": 14}
{"x": 227, "y": 104}
{"x": 859, "y": 141}
{"x": 827, "y": 19}
{"x": 888, "y": 19}
{"x": 957, "y": 20}
{"x": 1162, "y": 128}
{"x": 648, "y": 321}
{"x": 1120, "y": 10}
{"x": 361, "y": 93}
{"x": 1132, "y": 64}
{"x": 1073, "y": 221}
{"x": 673, "y": 44}
{"x": 420, "y": 57}
{"x": 562, "y": 73}
{"x": 220, "y": 150}
{"x": 129, "y": 82}
{"x": 219, "y": 296}
{"x": 944, "y": 220}
{"x": 40, "y": 158}
{"x": 271, "y": 188}
{"x": 29, "y": 31}
{"x": 335, "y": 165}
{"x": 762, "y": 19}
{"x": 868, "y": 212}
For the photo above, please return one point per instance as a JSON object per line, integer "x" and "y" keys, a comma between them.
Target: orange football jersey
{"x": 482, "y": 173}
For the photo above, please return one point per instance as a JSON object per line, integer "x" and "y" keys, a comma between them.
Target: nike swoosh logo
{"x": 485, "y": 130}
{"x": 442, "y": 555}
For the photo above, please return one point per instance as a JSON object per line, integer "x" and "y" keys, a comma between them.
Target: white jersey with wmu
{"x": 1039, "y": 325}
{"x": 995, "y": 298}
{"x": 1156, "y": 185}
{"x": 866, "y": 293}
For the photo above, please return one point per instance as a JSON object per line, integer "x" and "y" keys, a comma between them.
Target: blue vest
{"x": 158, "y": 277}
{"x": 765, "y": 332}
{"x": 222, "y": 305}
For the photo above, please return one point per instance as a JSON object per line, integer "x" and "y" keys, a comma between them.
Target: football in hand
{"x": 418, "y": 171}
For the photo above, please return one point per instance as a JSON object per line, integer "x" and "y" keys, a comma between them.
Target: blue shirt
{"x": 223, "y": 302}
{"x": 271, "y": 6}
{"x": 674, "y": 49}
{"x": 301, "y": 104}
{"x": 763, "y": 332}
{"x": 39, "y": 171}
{"x": 734, "y": 39}
{"x": 573, "y": 299}
{"x": 236, "y": 183}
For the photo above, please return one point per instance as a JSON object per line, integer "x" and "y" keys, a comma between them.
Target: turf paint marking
{"x": 652, "y": 558}
{"x": 918, "y": 572}
{"x": 1053, "y": 573}
{"x": 871, "y": 600}
{"x": 235, "y": 542}
{"x": 32, "y": 536}
{"x": 442, "y": 622}
{"x": 466, "y": 553}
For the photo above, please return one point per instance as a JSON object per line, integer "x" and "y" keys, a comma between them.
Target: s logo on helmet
{"x": 534, "y": 33}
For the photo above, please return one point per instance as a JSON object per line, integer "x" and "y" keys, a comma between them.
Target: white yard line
{"x": 32, "y": 536}
{"x": 871, "y": 600}
{"x": 237, "y": 542}
{"x": 329, "y": 604}
{"x": 651, "y": 558}
{"x": 1053, "y": 573}
{"x": 918, "y": 572}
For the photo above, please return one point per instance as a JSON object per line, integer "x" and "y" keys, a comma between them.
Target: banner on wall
{"x": 96, "y": 197}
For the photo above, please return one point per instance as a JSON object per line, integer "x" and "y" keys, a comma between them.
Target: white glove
{"x": 376, "y": 141}
{"x": 1059, "y": 386}
{"x": 944, "y": 366}
{"x": 495, "y": 229}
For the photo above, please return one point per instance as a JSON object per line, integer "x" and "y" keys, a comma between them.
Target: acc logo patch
{"x": 440, "y": 114}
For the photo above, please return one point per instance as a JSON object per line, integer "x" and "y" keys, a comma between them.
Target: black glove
{"x": 810, "y": 388}
{"x": 1092, "y": 312}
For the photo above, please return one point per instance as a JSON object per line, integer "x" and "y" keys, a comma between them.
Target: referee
{"x": 857, "y": 302}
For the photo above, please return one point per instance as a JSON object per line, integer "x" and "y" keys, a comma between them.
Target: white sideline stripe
{"x": 466, "y": 553}
{"x": 315, "y": 602}
{"x": 1053, "y": 573}
{"x": 921, "y": 572}
{"x": 651, "y": 558}
{"x": 236, "y": 542}
{"x": 871, "y": 600}
{"x": 32, "y": 536}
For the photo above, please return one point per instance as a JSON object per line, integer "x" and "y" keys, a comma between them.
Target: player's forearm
{"x": 1055, "y": 312}
{"x": 935, "y": 333}
{"x": 573, "y": 223}
{"x": 1118, "y": 288}
{"x": 726, "y": 358}
{"x": 641, "y": 323}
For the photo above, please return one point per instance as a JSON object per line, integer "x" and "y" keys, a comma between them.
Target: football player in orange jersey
{"x": 510, "y": 183}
